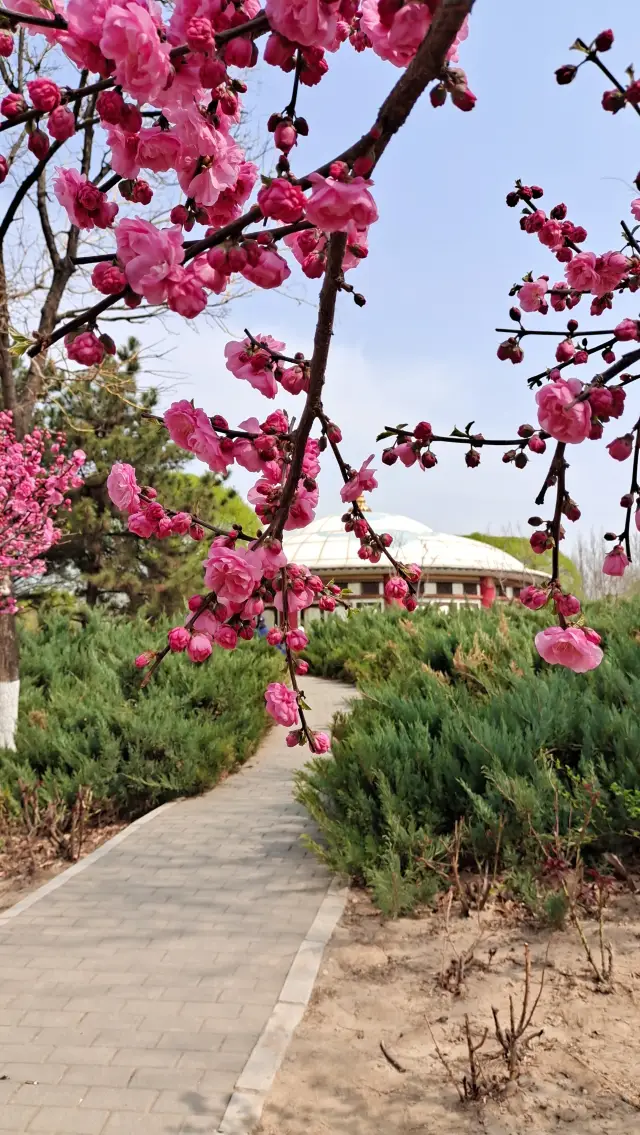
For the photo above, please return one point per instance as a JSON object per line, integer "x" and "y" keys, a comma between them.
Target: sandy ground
{"x": 382, "y": 983}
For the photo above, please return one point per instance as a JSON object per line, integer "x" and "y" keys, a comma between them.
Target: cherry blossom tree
{"x": 35, "y": 475}
{"x": 167, "y": 99}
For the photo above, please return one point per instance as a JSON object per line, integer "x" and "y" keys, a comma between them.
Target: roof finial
{"x": 362, "y": 504}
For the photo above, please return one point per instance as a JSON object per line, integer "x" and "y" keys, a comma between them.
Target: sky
{"x": 442, "y": 258}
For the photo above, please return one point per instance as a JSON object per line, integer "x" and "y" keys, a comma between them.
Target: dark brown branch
{"x": 45, "y": 223}
{"x": 559, "y": 466}
{"x": 29, "y": 181}
{"x": 317, "y": 372}
{"x": 67, "y": 97}
{"x": 634, "y": 488}
{"x": 15, "y": 18}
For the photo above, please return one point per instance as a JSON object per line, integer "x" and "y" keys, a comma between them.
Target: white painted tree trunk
{"x": 9, "y": 674}
{"x": 9, "y": 696}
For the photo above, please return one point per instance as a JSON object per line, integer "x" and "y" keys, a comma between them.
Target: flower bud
{"x": 472, "y": 458}
{"x": 626, "y": 501}
{"x": 389, "y": 457}
{"x": 566, "y": 74}
{"x": 604, "y": 41}
{"x": 535, "y": 521}
{"x": 559, "y": 212}
{"x": 515, "y": 313}
{"x": 525, "y": 431}
{"x": 521, "y": 460}
{"x": 429, "y": 459}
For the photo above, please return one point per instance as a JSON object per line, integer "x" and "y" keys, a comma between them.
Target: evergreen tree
{"x": 107, "y": 417}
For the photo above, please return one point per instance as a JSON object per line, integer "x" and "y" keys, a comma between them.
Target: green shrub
{"x": 85, "y": 721}
{"x": 460, "y": 717}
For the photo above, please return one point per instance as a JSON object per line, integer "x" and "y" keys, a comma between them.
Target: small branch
{"x": 15, "y": 18}
{"x": 391, "y": 1059}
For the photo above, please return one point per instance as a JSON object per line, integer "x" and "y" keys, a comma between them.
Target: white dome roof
{"x": 325, "y": 546}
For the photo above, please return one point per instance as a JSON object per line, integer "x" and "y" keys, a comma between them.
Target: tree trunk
{"x": 9, "y": 681}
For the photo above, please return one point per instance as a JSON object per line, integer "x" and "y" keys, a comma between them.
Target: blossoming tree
{"x": 167, "y": 96}
{"x": 35, "y": 475}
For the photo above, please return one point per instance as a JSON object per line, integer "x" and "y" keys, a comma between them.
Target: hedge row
{"x": 459, "y": 717}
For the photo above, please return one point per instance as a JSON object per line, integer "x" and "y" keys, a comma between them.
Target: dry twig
{"x": 514, "y": 1039}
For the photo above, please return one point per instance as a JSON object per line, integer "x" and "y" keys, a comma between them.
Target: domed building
{"x": 455, "y": 569}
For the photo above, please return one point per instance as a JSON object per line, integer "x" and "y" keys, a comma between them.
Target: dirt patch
{"x": 26, "y": 862}
{"x": 381, "y": 983}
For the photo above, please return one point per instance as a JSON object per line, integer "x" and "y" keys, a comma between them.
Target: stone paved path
{"x": 131, "y": 997}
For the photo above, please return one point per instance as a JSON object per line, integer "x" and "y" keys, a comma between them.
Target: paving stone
{"x": 134, "y": 993}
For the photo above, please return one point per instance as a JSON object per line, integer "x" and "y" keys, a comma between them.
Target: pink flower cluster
{"x": 35, "y": 477}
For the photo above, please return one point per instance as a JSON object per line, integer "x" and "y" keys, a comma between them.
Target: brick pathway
{"x": 132, "y": 996}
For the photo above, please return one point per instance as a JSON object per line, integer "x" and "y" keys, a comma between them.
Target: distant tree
{"x": 106, "y": 417}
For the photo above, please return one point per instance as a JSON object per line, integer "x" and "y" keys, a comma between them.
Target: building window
{"x": 516, "y": 592}
{"x": 444, "y": 588}
{"x": 470, "y": 588}
{"x": 500, "y": 590}
{"x": 370, "y": 587}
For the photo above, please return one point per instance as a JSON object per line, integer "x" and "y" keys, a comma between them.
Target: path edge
{"x": 82, "y": 864}
{"x": 254, "y": 1083}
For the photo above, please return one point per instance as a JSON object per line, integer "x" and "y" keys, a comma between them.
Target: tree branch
{"x": 45, "y": 223}
{"x": 424, "y": 68}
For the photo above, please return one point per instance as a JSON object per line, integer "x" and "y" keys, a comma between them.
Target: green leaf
{"x": 457, "y": 433}
{"x": 468, "y": 426}
{"x": 385, "y": 434}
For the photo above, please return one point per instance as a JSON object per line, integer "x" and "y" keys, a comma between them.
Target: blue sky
{"x": 442, "y": 258}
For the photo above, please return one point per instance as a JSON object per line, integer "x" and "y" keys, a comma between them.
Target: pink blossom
{"x": 567, "y": 605}
{"x": 110, "y": 107}
{"x": 271, "y": 557}
{"x": 180, "y": 523}
{"x": 123, "y": 488}
{"x": 230, "y": 574}
{"x": 635, "y": 208}
{"x": 270, "y": 271}
{"x": 158, "y": 150}
{"x": 612, "y": 267}
{"x": 124, "y": 151}
{"x": 225, "y": 637}
{"x": 86, "y": 205}
{"x": 620, "y": 448}
{"x": 12, "y": 105}
{"x": 178, "y": 639}
{"x": 254, "y": 363}
{"x": 302, "y": 510}
{"x": 616, "y": 561}
{"x": 310, "y": 22}
{"x": 180, "y": 420}
{"x": 282, "y": 704}
{"x": 296, "y": 639}
{"x": 142, "y": 63}
{"x": 565, "y": 350}
{"x": 108, "y": 278}
{"x": 396, "y": 588}
{"x": 627, "y": 329}
{"x": 362, "y": 482}
{"x": 185, "y": 294}
{"x": 569, "y": 646}
{"x": 199, "y": 648}
{"x": 141, "y": 524}
{"x": 556, "y": 414}
{"x": 587, "y": 272}
{"x": 533, "y": 294}
{"x": 533, "y": 597}
{"x": 274, "y": 636}
{"x": 45, "y": 95}
{"x": 321, "y": 742}
{"x": 551, "y": 235}
{"x": 282, "y": 200}
{"x": 84, "y": 348}
{"x": 148, "y": 254}
{"x": 206, "y": 444}
{"x": 397, "y": 39}
{"x": 61, "y": 124}
{"x": 334, "y": 204}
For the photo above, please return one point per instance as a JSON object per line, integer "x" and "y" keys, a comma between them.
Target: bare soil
{"x": 382, "y": 983}
{"x": 26, "y": 862}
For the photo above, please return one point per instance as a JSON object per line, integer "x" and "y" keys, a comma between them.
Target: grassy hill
{"x": 520, "y": 547}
